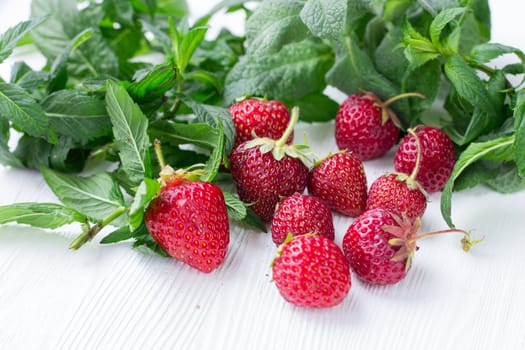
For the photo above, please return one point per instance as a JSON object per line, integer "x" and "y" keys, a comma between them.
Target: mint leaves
{"x": 98, "y": 98}
{"x": 436, "y": 48}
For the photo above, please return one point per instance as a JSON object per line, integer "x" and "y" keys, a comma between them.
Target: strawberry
{"x": 380, "y": 245}
{"x": 398, "y": 192}
{"x": 264, "y": 170}
{"x": 437, "y": 157}
{"x": 189, "y": 220}
{"x": 300, "y": 214}
{"x": 340, "y": 181}
{"x": 311, "y": 271}
{"x": 260, "y": 117}
{"x": 366, "y": 126}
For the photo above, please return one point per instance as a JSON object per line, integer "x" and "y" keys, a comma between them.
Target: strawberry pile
{"x": 273, "y": 176}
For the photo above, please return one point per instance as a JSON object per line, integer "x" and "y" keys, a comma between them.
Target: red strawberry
{"x": 340, "y": 181}
{"x": 260, "y": 117}
{"x": 366, "y": 126}
{"x": 189, "y": 220}
{"x": 311, "y": 271}
{"x": 380, "y": 245}
{"x": 264, "y": 170}
{"x": 301, "y": 214}
{"x": 398, "y": 192}
{"x": 437, "y": 157}
{"x": 366, "y": 245}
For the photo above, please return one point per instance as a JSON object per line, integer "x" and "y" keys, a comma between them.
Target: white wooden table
{"x": 113, "y": 297}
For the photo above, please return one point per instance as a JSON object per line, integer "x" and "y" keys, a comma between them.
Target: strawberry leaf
{"x": 43, "y": 215}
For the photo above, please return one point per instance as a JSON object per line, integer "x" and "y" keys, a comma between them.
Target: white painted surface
{"x": 113, "y": 297}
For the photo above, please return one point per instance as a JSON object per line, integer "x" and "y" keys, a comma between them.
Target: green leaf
{"x": 440, "y": 22}
{"x": 94, "y": 58}
{"x": 473, "y": 153}
{"x": 213, "y": 116}
{"x": 121, "y": 234}
{"x": 10, "y": 38}
{"x": 6, "y": 156}
{"x": 59, "y": 74}
{"x": 130, "y": 132}
{"x": 43, "y": 215}
{"x": 146, "y": 192}
{"x": 519, "y": 129}
{"x": 507, "y": 179}
{"x": 214, "y": 162}
{"x": 144, "y": 239}
{"x": 77, "y": 115}
{"x": 324, "y": 18}
{"x": 294, "y": 72}
{"x": 25, "y": 77}
{"x": 468, "y": 85}
{"x": 354, "y": 62}
{"x": 418, "y": 49}
{"x": 95, "y": 197}
{"x": 24, "y": 111}
{"x": 153, "y": 83}
{"x": 273, "y": 25}
{"x": 177, "y": 8}
{"x": 199, "y": 134}
{"x": 241, "y": 212}
{"x": 484, "y": 53}
{"x": 316, "y": 107}
{"x": 120, "y": 11}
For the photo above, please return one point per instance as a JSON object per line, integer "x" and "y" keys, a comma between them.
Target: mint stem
{"x": 289, "y": 129}
{"x": 89, "y": 234}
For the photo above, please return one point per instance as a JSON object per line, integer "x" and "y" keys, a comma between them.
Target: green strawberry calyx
{"x": 279, "y": 148}
{"x": 405, "y": 233}
{"x": 168, "y": 174}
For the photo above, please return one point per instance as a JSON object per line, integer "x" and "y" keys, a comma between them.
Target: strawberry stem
{"x": 401, "y": 96}
{"x": 158, "y": 153}
{"x": 294, "y": 117}
{"x": 466, "y": 241}
{"x": 88, "y": 233}
{"x": 415, "y": 171}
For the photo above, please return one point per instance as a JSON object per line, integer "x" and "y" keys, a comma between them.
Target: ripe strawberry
{"x": 340, "y": 181}
{"x": 398, "y": 192}
{"x": 260, "y": 117}
{"x": 380, "y": 245}
{"x": 366, "y": 126}
{"x": 437, "y": 157}
{"x": 301, "y": 214}
{"x": 311, "y": 271}
{"x": 189, "y": 220}
{"x": 371, "y": 256}
{"x": 264, "y": 170}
